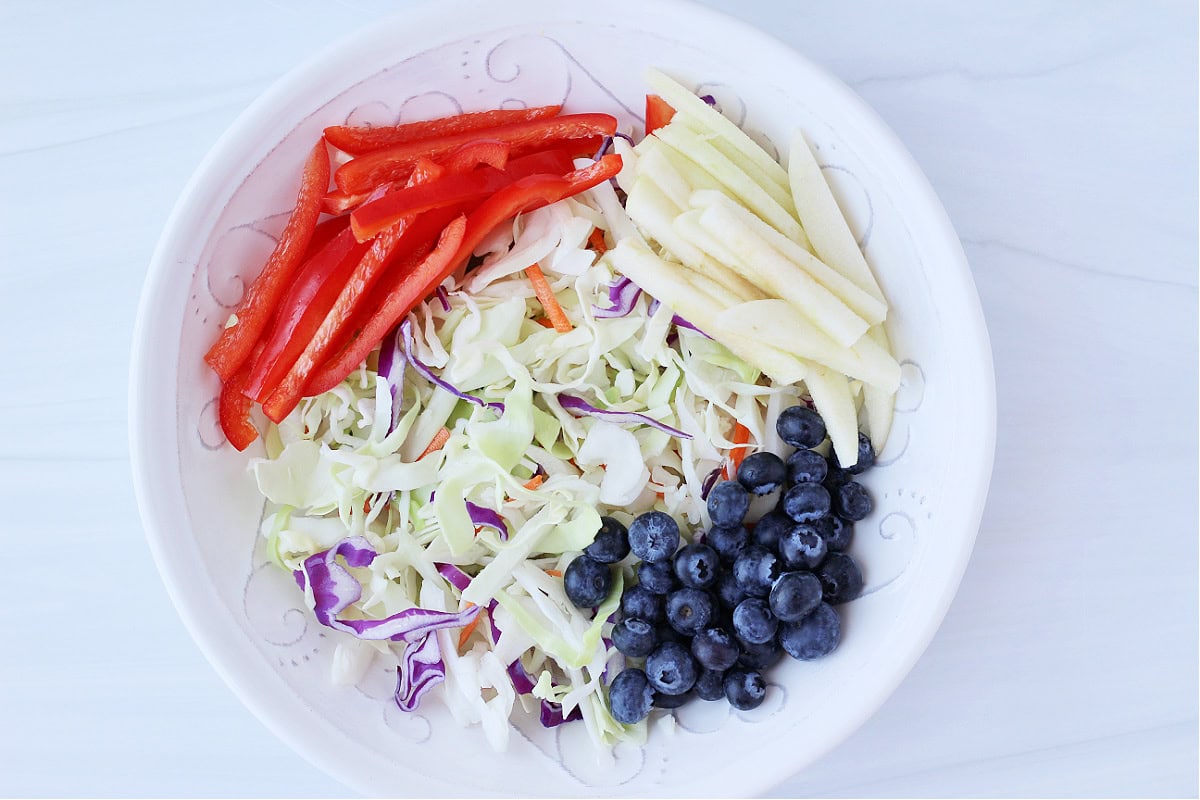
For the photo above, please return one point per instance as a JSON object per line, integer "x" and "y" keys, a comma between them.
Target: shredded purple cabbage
{"x": 577, "y": 405}
{"x": 606, "y": 143}
{"x": 491, "y": 618}
{"x": 676, "y": 320}
{"x": 334, "y": 589}
{"x": 427, "y": 373}
{"x": 710, "y": 481}
{"x": 444, "y": 297}
{"x": 522, "y": 683}
{"x": 420, "y": 670}
{"x": 391, "y": 359}
{"x": 552, "y": 716}
{"x": 622, "y": 296}
{"x": 708, "y": 98}
{"x": 456, "y": 577}
{"x": 487, "y": 518}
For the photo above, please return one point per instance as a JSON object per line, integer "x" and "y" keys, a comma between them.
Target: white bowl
{"x": 201, "y": 508}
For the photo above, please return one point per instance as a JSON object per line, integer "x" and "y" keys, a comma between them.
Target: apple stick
{"x": 781, "y": 192}
{"x": 653, "y": 211}
{"x": 818, "y": 210}
{"x": 670, "y": 284}
{"x": 880, "y": 404}
{"x": 830, "y": 393}
{"x": 766, "y": 267}
{"x": 776, "y": 323}
{"x": 685, "y": 101}
{"x": 861, "y": 302}
{"x": 693, "y": 146}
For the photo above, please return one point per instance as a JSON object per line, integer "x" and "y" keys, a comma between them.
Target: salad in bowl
{"x": 579, "y": 425}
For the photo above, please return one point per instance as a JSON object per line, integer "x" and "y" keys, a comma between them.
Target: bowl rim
{"x": 150, "y": 372}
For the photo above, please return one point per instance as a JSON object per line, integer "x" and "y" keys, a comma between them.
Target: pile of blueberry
{"x": 709, "y": 617}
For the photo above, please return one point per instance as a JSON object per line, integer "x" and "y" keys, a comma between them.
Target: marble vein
{"x": 994, "y": 244}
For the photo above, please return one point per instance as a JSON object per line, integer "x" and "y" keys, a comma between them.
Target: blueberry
{"x": 754, "y": 622}
{"x": 697, "y": 566}
{"x": 710, "y": 685}
{"x": 836, "y": 532}
{"x": 841, "y": 579}
{"x": 836, "y": 476}
{"x": 671, "y": 700}
{"x": 806, "y": 466}
{"x": 816, "y": 635}
{"x": 744, "y": 689}
{"x": 689, "y": 610}
{"x": 762, "y": 473}
{"x": 728, "y": 542}
{"x": 671, "y": 668}
{"x": 654, "y": 536}
{"x": 802, "y": 547}
{"x": 728, "y": 503}
{"x": 641, "y": 603}
{"x": 634, "y": 637}
{"x": 866, "y": 456}
{"x": 768, "y": 529}
{"x": 657, "y": 576}
{"x": 793, "y": 596}
{"x": 630, "y": 696}
{"x": 759, "y": 656}
{"x": 715, "y": 649}
{"x": 805, "y": 502}
{"x": 587, "y": 582}
{"x": 800, "y": 426}
{"x": 728, "y": 590}
{"x": 851, "y": 501}
{"x": 611, "y": 543}
{"x": 755, "y": 570}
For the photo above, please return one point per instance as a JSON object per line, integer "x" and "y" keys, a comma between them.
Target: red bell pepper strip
{"x": 527, "y": 194}
{"x": 359, "y": 140}
{"x": 395, "y": 300}
{"x": 233, "y": 346}
{"x": 394, "y": 243}
{"x": 301, "y": 311}
{"x": 375, "y": 215}
{"x": 492, "y": 152}
{"x": 367, "y": 171}
{"x": 338, "y": 202}
{"x": 658, "y": 113}
{"x": 233, "y": 407}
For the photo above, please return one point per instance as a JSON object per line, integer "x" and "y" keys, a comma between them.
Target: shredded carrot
{"x": 737, "y": 453}
{"x": 596, "y": 240}
{"x": 545, "y": 323}
{"x": 545, "y": 296}
{"x": 469, "y": 628}
{"x": 439, "y": 441}
{"x": 534, "y": 482}
{"x": 554, "y": 573}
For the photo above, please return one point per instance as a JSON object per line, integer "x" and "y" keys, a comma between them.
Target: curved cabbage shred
{"x": 338, "y": 468}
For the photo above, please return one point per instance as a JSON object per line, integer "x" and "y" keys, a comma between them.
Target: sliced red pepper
{"x": 527, "y": 194}
{"x": 233, "y": 407}
{"x": 363, "y": 173}
{"x": 491, "y": 152}
{"x": 300, "y": 313}
{"x": 235, "y": 343}
{"x": 373, "y": 217}
{"x": 399, "y": 240}
{"x": 376, "y": 215}
{"x": 658, "y": 113}
{"x": 358, "y": 140}
{"x": 395, "y": 300}
{"x": 338, "y": 202}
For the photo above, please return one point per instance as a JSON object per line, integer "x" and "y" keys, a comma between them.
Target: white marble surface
{"x": 1062, "y": 140}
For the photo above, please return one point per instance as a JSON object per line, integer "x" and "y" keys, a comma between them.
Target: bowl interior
{"x": 202, "y": 509}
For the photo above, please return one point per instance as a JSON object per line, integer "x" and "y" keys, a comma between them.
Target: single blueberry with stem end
{"x": 587, "y": 582}
{"x": 654, "y": 536}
